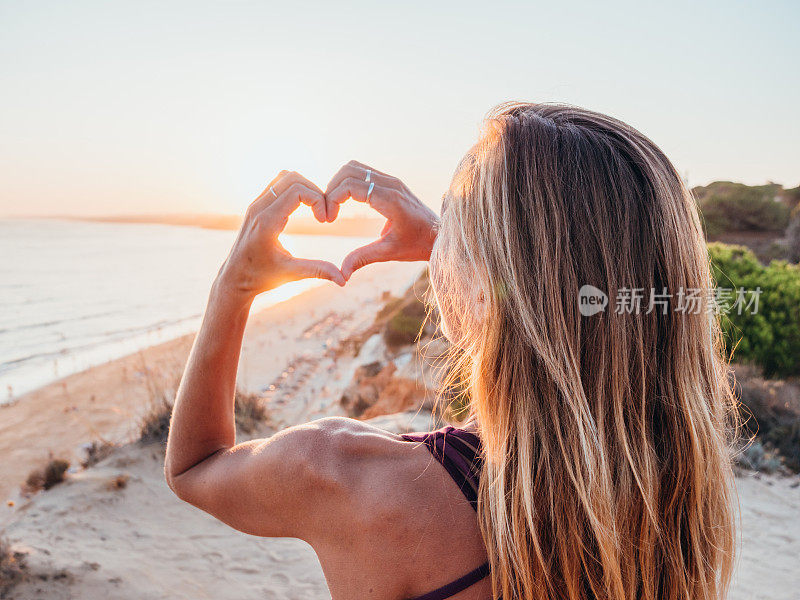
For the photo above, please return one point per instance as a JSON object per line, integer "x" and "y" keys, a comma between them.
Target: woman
{"x": 597, "y": 459}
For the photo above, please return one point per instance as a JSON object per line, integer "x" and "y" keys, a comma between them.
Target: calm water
{"x": 76, "y": 294}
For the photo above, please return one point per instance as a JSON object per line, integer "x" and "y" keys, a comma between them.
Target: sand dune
{"x": 116, "y": 531}
{"x": 87, "y": 539}
{"x": 769, "y": 551}
{"x": 107, "y": 401}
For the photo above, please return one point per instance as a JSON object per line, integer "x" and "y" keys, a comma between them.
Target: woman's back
{"x": 605, "y": 425}
{"x": 605, "y": 470}
{"x": 411, "y": 514}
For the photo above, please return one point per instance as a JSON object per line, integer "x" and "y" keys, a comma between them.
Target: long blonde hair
{"x": 607, "y": 438}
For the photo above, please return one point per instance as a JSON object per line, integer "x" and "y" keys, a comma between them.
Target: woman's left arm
{"x": 203, "y": 460}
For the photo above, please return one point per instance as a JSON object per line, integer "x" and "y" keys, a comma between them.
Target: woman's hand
{"x": 257, "y": 262}
{"x": 410, "y": 228}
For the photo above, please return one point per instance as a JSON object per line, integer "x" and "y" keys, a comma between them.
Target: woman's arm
{"x": 203, "y": 416}
{"x": 301, "y": 482}
{"x": 201, "y": 457}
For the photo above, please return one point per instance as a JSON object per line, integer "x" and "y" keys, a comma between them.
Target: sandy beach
{"x": 115, "y": 530}
{"x": 107, "y": 402}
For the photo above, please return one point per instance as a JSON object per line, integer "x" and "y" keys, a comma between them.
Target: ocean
{"x": 75, "y": 294}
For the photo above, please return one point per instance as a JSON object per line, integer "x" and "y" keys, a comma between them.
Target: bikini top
{"x": 459, "y": 453}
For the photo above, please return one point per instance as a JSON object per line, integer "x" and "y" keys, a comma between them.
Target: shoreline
{"x": 106, "y": 402}
{"x": 344, "y": 226}
{"x": 76, "y": 362}
{"x": 48, "y": 334}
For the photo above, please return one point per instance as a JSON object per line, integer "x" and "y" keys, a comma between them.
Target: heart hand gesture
{"x": 257, "y": 262}
{"x": 410, "y": 228}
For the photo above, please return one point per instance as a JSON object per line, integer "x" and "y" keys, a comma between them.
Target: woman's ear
{"x": 480, "y": 307}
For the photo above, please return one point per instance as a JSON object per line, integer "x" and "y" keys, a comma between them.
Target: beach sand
{"x": 768, "y": 562}
{"x": 87, "y": 539}
{"x": 116, "y": 531}
{"x": 107, "y": 402}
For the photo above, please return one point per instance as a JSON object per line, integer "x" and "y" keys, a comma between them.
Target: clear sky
{"x": 142, "y": 107}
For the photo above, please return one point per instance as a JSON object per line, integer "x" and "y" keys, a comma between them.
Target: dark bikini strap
{"x": 459, "y": 453}
{"x": 459, "y": 585}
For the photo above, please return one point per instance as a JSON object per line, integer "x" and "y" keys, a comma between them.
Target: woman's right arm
{"x": 305, "y": 481}
{"x": 411, "y": 227}
{"x": 266, "y": 487}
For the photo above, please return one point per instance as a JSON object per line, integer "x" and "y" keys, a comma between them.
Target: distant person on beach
{"x": 595, "y": 463}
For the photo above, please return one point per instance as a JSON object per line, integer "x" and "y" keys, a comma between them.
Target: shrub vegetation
{"x": 250, "y": 412}
{"x": 12, "y": 567}
{"x": 770, "y": 338}
{"x": 53, "y": 473}
{"x": 726, "y": 207}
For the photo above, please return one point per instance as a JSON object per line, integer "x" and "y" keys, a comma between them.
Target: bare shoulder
{"x": 304, "y": 481}
{"x": 348, "y": 434}
{"x": 348, "y": 451}
{"x": 397, "y": 512}
{"x": 353, "y": 474}
{"x": 375, "y": 477}
{"x": 370, "y": 473}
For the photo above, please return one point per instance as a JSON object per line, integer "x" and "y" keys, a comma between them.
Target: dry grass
{"x": 770, "y": 410}
{"x": 97, "y": 451}
{"x": 53, "y": 473}
{"x": 12, "y": 568}
{"x": 250, "y": 413}
{"x": 155, "y": 423}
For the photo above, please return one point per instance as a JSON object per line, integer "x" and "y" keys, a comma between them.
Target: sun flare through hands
{"x": 258, "y": 262}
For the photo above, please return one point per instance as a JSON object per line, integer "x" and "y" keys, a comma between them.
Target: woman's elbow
{"x": 170, "y": 476}
{"x": 176, "y": 480}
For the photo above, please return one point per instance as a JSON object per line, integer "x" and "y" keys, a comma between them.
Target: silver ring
{"x": 369, "y": 191}
{"x": 274, "y": 193}
{"x": 369, "y": 175}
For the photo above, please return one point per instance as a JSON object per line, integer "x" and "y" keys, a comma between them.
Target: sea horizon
{"x": 346, "y": 225}
{"x": 76, "y": 293}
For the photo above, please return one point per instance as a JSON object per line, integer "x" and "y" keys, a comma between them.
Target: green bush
{"x": 406, "y": 319}
{"x": 727, "y": 207}
{"x": 770, "y": 338}
{"x": 791, "y": 198}
{"x": 793, "y": 235}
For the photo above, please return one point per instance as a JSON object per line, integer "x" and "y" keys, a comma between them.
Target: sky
{"x": 173, "y": 107}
